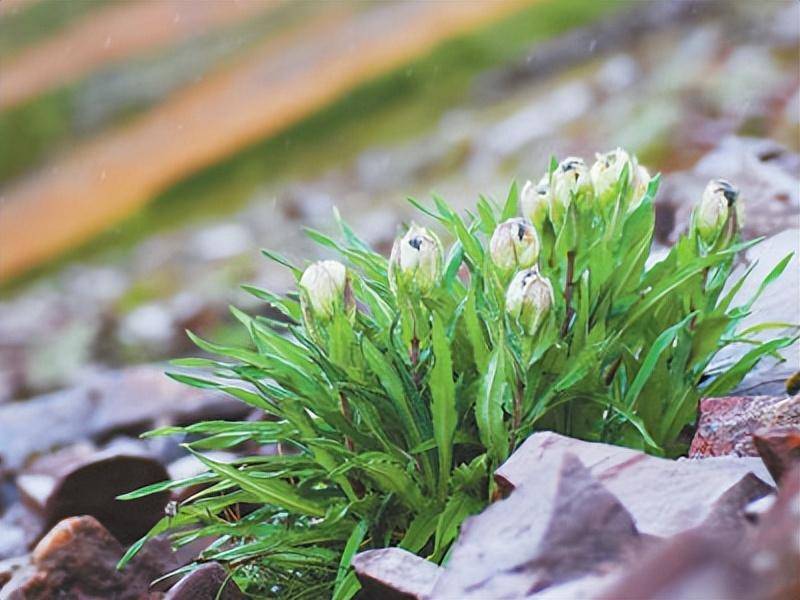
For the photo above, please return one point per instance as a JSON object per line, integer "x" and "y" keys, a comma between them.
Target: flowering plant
{"x": 393, "y": 388}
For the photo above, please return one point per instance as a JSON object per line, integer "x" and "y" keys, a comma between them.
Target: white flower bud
{"x": 535, "y": 201}
{"x": 606, "y": 173}
{"x": 514, "y": 245}
{"x": 640, "y": 184}
{"x": 529, "y": 299}
{"x": 715, "y": 207}
{"x": 325, "y": 289}
{"x": 571, "y": 178}
{"x": 416, "y": 261}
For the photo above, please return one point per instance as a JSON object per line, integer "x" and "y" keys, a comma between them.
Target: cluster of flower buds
{"x": 325, "y": 290}
{"x": 719, "y": 207}
{"x": 590, "y": 188}
{"x": 514, "y": 245}
{"x": 529, "y": 299}
{"x": 416, "y": 261}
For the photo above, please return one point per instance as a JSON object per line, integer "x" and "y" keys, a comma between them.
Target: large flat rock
{"x": 664, "y": 496}
{"x": 556, "y": 529}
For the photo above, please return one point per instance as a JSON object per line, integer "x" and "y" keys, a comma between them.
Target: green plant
{"x": 393, "y": 388}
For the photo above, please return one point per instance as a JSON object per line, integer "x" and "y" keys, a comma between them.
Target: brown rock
{"x": 664, "y": 496}
{"x": 690, "y": 565}
{"x": 699, "y": 564}
{"x": 78, "y": 558}
{"x": 774, "y": 555}
{"x": 81, "y": 482}
{"x": 204, "y": 583}
{"x": 394, "y": 574}
{"x": 779, "y": 448}
{"x": 128, "y": 400}
{"x": 561, "y": 527}
{"x": 726, "y": 424}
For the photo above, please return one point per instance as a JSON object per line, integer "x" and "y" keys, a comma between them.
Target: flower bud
{"x": 535, "y": 201}
{"x": 640, "y": 184}
{"x": 715, "y": 207}
{"x": 571, "y": 178}
{"x": 325, "y": 289}
{"x": 606, "y": 173}
{"x": 416, "y": 261}
{"x": 514, "y": 245}
{"x": 529, "y": 299}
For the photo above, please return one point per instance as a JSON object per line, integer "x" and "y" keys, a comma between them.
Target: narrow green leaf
{"x": 489, "y": 408}
{"x": 272, "y": 491}
{"x": 443, "y": 406}
{"x": 350, "y": 549}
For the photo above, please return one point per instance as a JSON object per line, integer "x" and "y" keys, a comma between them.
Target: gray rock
{"x": 549, "y": 531}
{"x": 394, "y": 574}
{"x": 128, "y": 399}
{"x": 208, "y": 582}
{"x": 72, "y": 483}
{"x": 664, "y": 496}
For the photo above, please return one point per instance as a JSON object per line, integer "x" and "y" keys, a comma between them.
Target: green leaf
{"x": 443, "y": 406}
{"x": 734, "y": 375}
{"x": 342, "y": 586}
{"x": 272, "y": 491}
{"x": 421, "y": 529}
{"x": 460, "y": 506}
{"x": 391, "y": 382}
{"x": 661, "y": 343}
{"x": 489, "y": 408}
{"x": 511, "y": 207}
{"x": 475, "y": 332}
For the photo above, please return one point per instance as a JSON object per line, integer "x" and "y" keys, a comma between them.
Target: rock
{"x": 130, "y": 399}
{"x": 774, "y": 554}
{"x": 204, "y": 583}
{"x": 664, "y": 496}
{"x": 779, "y": 448}
{"x": 78, "y": 558}
{"x": 697, "y": 564}
{"x": 778, "y": 304}
{"x": 547, "y": 532}
{"x": 726, "y": 424}
{"x": 10, "y": 567}
{"x": 691, "y": 565}
{"x": 149, "y": 325}
{"x": 72, "y": 483}
{"x": 394, "y": 574}
{"x": 20, "y": 527}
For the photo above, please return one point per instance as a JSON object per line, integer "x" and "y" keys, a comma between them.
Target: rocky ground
{"x": 579, "y": 520}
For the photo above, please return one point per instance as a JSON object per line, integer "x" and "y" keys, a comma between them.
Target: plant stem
{"x": 357, "y": 486}
{"x": 568, "y": 292}
{"x": 517, "y": 416}
{"x": 612, "y": 371}
{"x": 414, "y": 352}
{"x": 345, "y": 408}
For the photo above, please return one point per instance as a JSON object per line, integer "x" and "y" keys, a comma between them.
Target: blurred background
{"x": 149, "y": 148}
